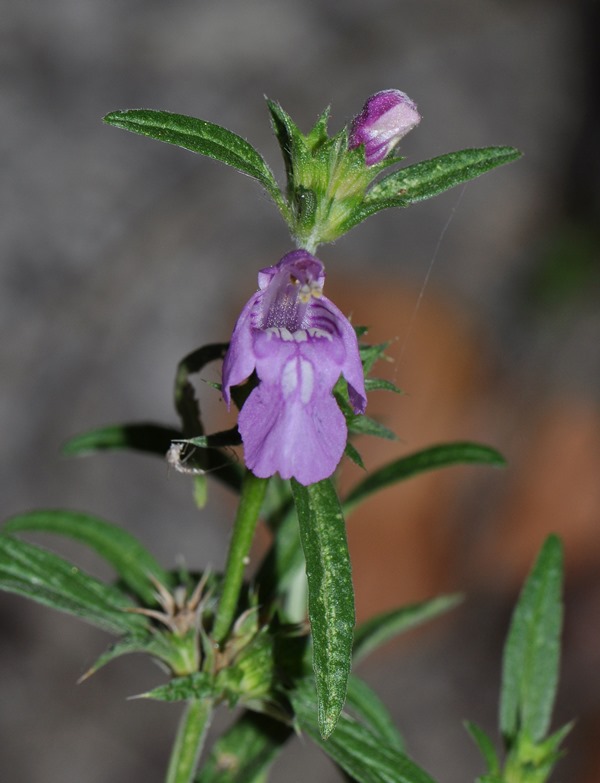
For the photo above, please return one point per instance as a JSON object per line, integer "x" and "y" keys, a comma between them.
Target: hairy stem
{"x": 189, "y": 741}
{"x": 253, "y": 493}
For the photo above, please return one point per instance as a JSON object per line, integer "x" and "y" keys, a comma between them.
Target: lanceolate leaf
{"x": 365, "y": 425}
{"x": 355, "y": 748}
{"x": 381, "y": 384}
{"x": 202, "y": 137}
{"x": 290, "y": 139}
{"x": 428, "y": 459}
{"x": 352, "y": 453}
{"x": 383, "y": 627}
{"x": 245, "y": 752}
{"x": 48, "y": 579}
{"x": 430, "y": 177}
{"x": 486, "y": 747}
{"x": 134, "y": 564}
{"x": 330, "y": 595}
{"x": 532, "y": 651}
{"x": 152, "y": 438}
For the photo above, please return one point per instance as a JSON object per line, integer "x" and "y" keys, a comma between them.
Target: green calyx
{"x": 327, "y": 182}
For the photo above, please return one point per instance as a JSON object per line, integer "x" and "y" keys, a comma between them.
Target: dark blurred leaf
{"x": 380, "y": 629}
{"x": 152, "y": 438}
{"x": 431, "y": 458}
{"x": 184, "y": 394}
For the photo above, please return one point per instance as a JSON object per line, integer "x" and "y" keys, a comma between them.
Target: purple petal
{"x": 351, "y": 368}
{"x": 305, "y": 442}
{"x": 239, "y": 360}
{"x": 299, "y": 343}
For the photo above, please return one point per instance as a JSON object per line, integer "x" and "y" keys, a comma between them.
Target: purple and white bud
{"x": 386, "y": 118}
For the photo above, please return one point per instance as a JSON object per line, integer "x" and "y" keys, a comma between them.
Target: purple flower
{"x": 386, "y": 117}
{"x": 299, "y": 343}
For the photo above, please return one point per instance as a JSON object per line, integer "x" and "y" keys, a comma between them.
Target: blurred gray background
{"x": 120, "y": 255}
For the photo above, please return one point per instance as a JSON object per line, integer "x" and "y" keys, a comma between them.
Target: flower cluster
{"x": 299, "y": 343}
{"x": 293, "y": 337}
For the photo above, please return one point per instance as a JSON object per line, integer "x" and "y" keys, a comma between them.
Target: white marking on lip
{"x": 307, "y": 378}
{"x": 289, "y": 377}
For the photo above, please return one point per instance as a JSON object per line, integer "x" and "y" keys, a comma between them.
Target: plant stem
{"x": 189, "y": 741}
{"x": 253, "y": 493}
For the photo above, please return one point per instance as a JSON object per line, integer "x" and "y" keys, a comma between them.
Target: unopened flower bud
{"x": 386, "y": 117}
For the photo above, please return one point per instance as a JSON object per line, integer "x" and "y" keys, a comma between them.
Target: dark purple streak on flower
{"x": 386, "y": 118}
{"x": 299, "y": 343}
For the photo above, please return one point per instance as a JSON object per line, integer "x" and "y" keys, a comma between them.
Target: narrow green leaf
{"x": 431, "y": 458}
{"x": 486, "y": 747}
{"x": 204, "y": 138}
{"x": 289, "y": 138}
{"x": 34, "y": 573}
{"x": 429, "y": 178}
{"x": 151, "y": 438}
{"x": 198, "y": 685}
{"x": 184, "y": 394}
{"x": 211, "y": 459}
{"x": 352, "y": 453}
{"x": 532, "y": 650}
{"x": 357, "y": 750}
{"x": 381, "y": 384}
{"x": 197, "y": 360}
{"x": 151, "y": 643}
{"x": 330, "y": 595}
{"x": 132, "y": 562}
{"x": 368, "y": 707}
{"x": 369, "y": 354}
{"x": 246, "y": 751}
{"x": 380, "y": 629}
{"x": 365, "y": 425}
